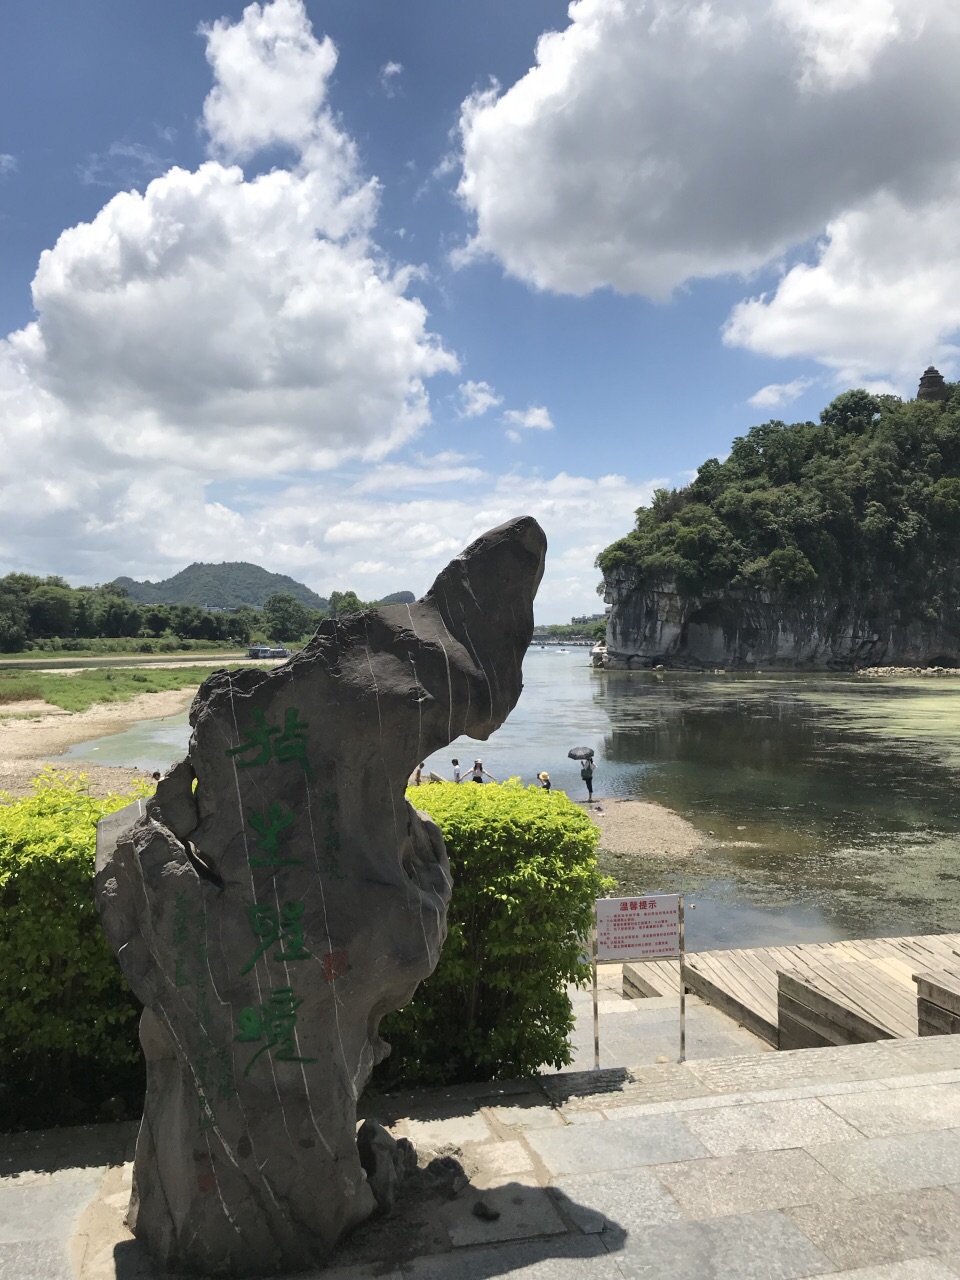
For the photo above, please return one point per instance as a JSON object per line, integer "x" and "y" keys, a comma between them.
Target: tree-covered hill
{"x": 864, "y": 504}
{"x": 224, "y": 586}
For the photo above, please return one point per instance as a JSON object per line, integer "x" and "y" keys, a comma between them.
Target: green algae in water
{"x": 921, "y": 715}
{"x": 829, "y": 795}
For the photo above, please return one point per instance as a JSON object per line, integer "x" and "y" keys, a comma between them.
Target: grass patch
{"x": 19, "y": 688}
{"x": 101, "y": 684}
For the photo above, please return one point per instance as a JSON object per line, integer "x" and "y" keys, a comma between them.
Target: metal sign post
{"x": 683, "y": 991}
{"x": 643, "y": 928}
{"x": 596, "y": 1001}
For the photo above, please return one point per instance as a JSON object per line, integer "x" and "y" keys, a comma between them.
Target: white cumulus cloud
{"x": 657, "y": 141}
{"x": 882, "y": 297}
{"x": 8, "y": 163}
{"x": 271, "y": 76}
{"x": 431, "y": 472}
{"x": 476, "y": 398}
{"x": 326, "y": 531}
{"x": 779, "y": 393}
{"x": 321, "y": 529}
{"x": 390, "y": 74}
{"x": 215, "y": 325}
{"x": 840, "y": 40}
{"x": 536, "y": 418}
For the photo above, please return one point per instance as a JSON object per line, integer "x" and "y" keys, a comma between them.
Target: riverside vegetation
{"x": 526, "y": 875}
{"x": 865, "y": 503}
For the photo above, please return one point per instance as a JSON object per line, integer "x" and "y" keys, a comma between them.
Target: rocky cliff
{"x": 655, "y": 623}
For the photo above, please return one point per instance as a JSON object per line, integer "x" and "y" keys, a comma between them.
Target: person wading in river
{"x": 586, "y": 773}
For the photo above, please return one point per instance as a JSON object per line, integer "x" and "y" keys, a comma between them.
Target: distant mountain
{"x": 398, "y": 597}
{"x": 224, "y": 586}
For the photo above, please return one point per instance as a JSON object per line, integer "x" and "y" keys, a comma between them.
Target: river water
{"x": 829, "y": 805}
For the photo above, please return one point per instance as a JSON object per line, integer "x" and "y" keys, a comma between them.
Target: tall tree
{"x": 342, "y": 602}
{"x": 285, "y": 618}
{"x": 51, "y": 611}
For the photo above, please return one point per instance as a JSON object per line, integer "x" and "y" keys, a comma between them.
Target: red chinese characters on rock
{"x": 334, "y": 965}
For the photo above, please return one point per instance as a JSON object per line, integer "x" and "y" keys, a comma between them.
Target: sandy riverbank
{"x": 30, "y": 734}
{"x": 639, "y": 827}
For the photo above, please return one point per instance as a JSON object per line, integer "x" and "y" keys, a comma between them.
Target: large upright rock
{"x": 278, "y": 896}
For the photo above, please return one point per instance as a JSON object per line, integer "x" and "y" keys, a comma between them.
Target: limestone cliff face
{"x": 653, "y": 624}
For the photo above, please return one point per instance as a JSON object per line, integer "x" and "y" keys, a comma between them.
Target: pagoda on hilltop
{"x": 932, "y": 385}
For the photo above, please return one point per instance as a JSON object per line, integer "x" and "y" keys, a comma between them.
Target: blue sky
{"x": 335, "y": 286}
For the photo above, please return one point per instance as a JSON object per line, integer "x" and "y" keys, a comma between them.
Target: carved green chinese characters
{"x": 275, "y": 1023}
{"x": 270, "y": 826}
{"x": 286, "y": 744}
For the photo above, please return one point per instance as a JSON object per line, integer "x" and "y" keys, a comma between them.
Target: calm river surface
{"x": 830, "y": 805}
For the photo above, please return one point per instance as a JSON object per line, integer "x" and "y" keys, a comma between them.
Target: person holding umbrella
{"x": 585, "y": 756}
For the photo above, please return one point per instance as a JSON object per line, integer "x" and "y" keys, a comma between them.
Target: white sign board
{"x": 638, "y": 928}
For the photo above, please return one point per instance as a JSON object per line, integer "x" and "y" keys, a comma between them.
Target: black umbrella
{"x": 581, "y": 753}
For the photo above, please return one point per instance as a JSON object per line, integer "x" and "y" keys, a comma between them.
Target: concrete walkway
{"x": 767, "y": 1166}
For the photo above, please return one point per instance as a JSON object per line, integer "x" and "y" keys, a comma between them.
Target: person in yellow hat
{"x": 544, "y": 780}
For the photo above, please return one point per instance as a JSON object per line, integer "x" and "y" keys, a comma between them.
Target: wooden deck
{"x": 867, "y": 983}
{"x": 651, "y": 978}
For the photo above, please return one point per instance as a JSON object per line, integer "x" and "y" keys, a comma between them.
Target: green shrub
{"x": 525, "y": 879}
{"x": 68, "y": 1030}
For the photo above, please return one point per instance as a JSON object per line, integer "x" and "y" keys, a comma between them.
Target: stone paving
{"x": 824, "y": 1162}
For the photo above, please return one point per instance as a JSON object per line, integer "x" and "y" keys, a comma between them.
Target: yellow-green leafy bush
{"x": 525, "y": 879}
{"x": 67, "y": 1011}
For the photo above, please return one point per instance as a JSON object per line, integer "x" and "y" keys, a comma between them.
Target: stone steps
{"x": 793, "y": 1073}
{"x": 709, "y": 1082}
